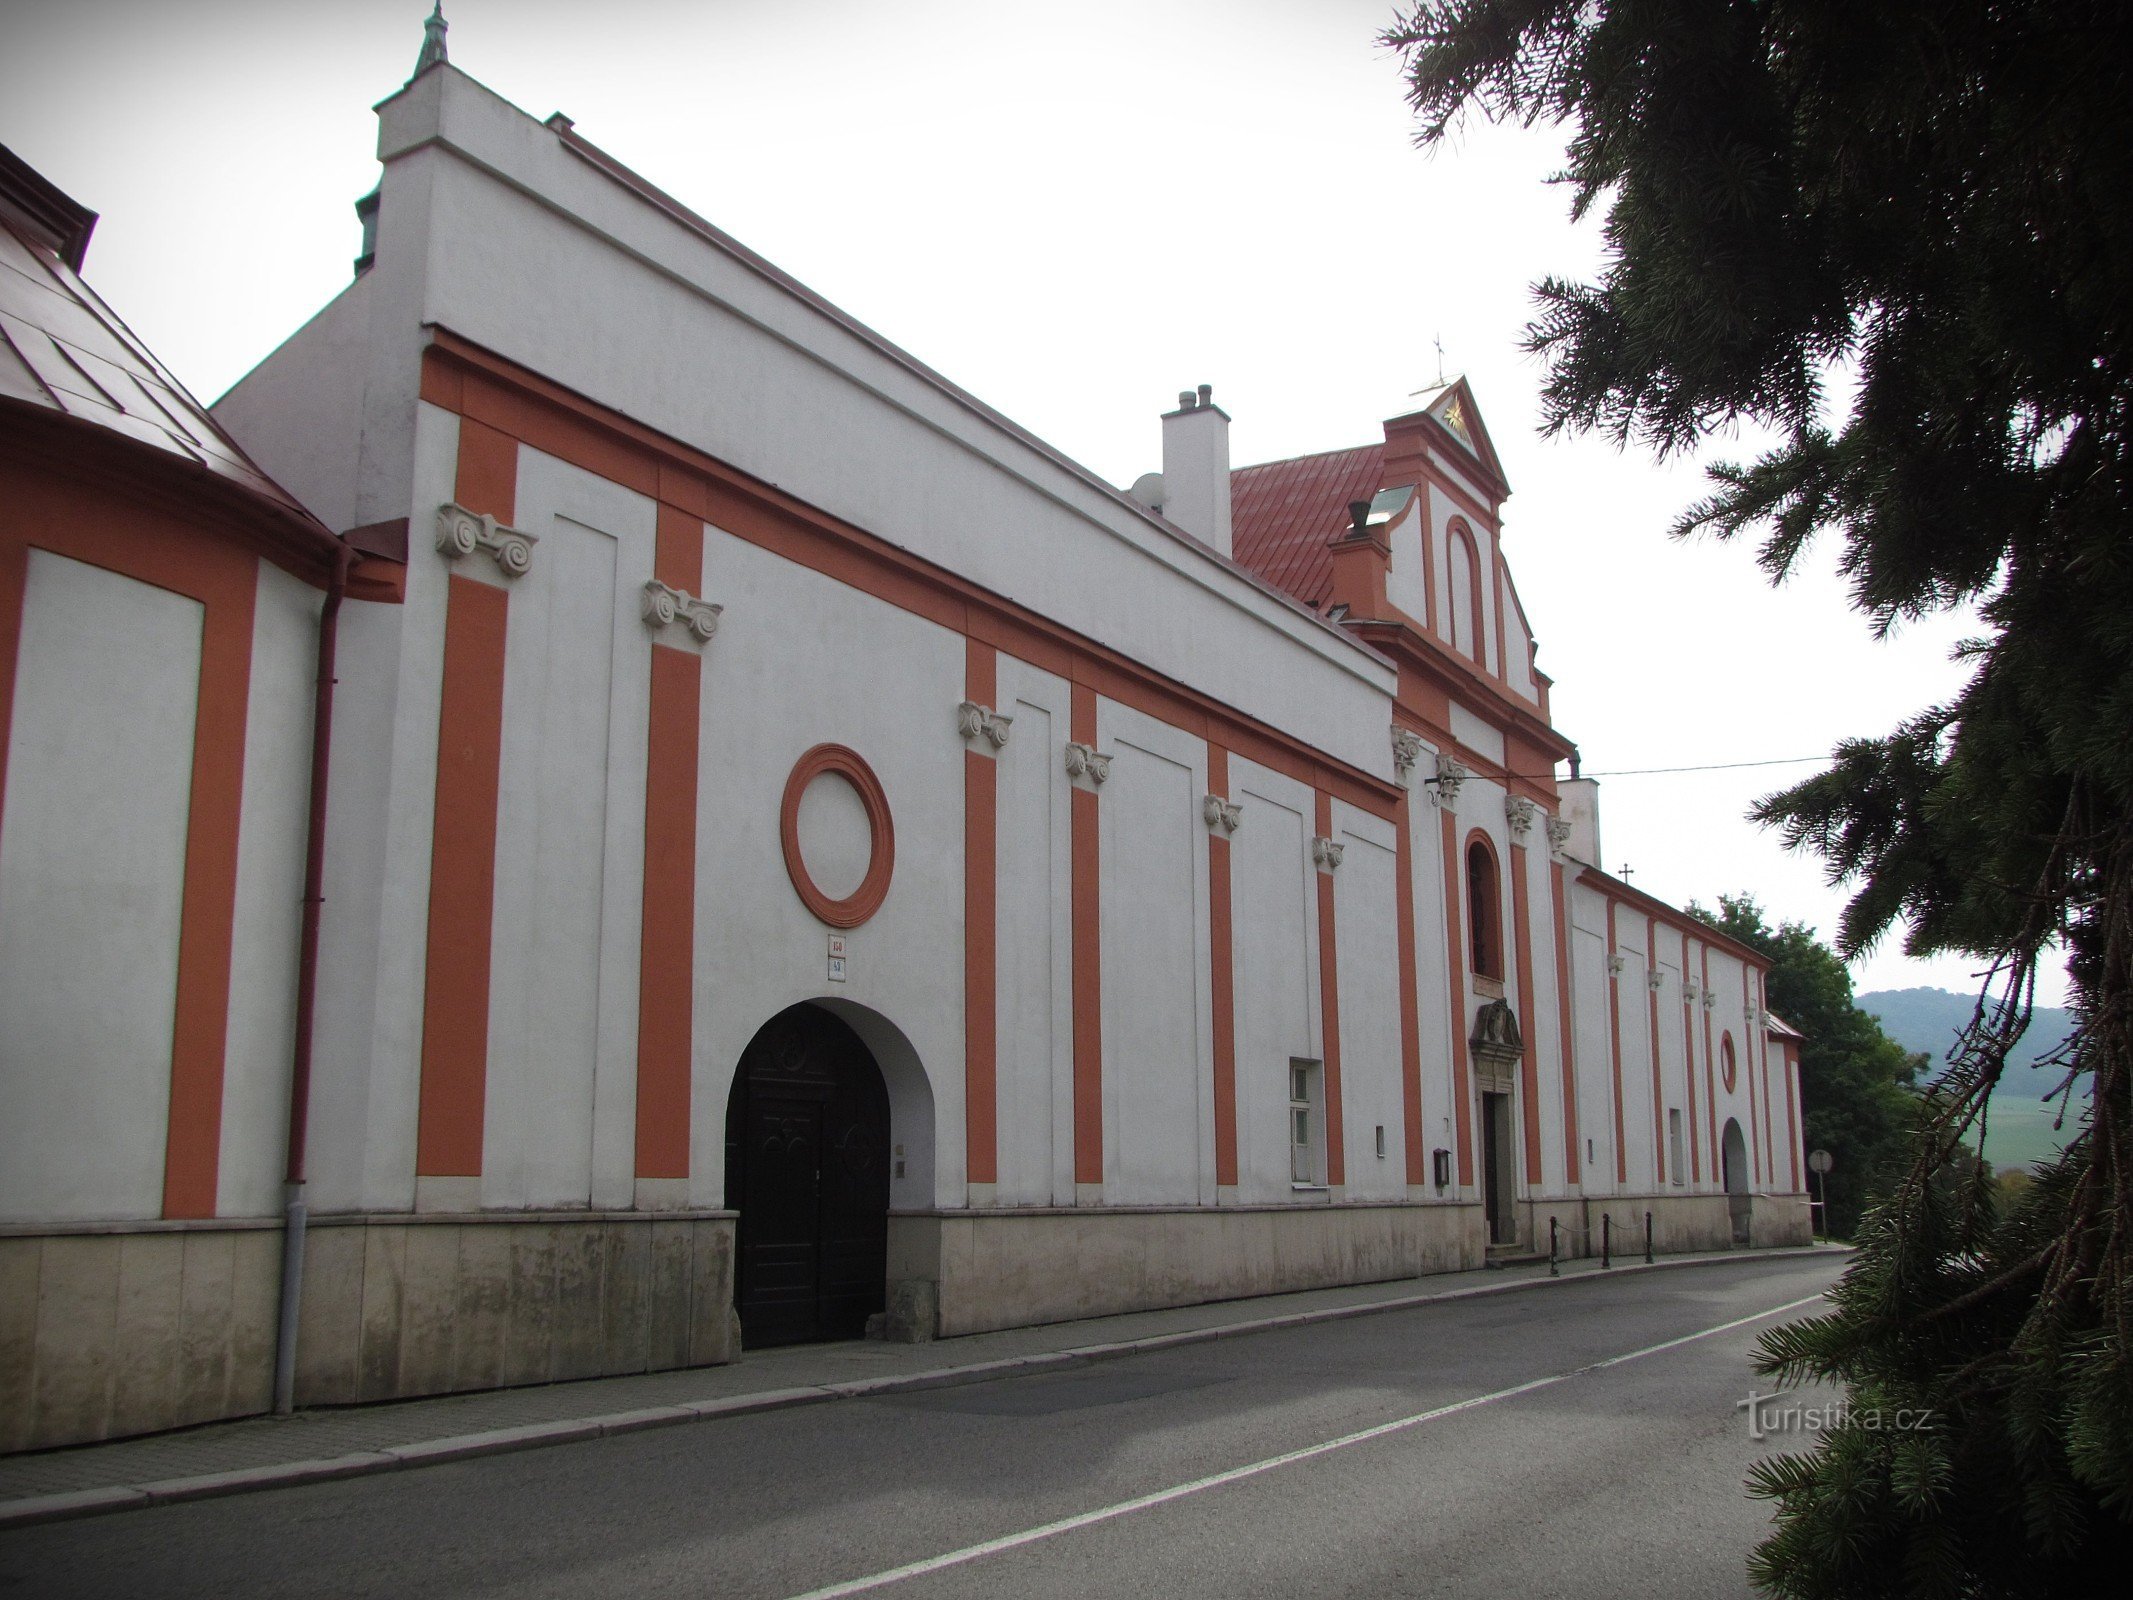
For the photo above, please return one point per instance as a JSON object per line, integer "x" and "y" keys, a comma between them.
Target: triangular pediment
{"x": 1451, "y": 404}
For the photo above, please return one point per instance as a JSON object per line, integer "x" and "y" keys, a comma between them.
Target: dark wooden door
{"x": 1496, "y": 1203}
{"x": 807, "y": 1167}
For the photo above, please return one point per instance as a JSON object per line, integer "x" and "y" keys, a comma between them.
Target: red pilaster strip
{"x": 1329, "y": 1010}
{"x": 1410, "y": 1005}
{"x": 1573, "y": 1129}
{"x": 200, "y": 1030}
{"x": 1528, "y": 1066}
{"x": 981, "y": 890}
{"x": 1221, "y": 978}
{"x": 667, "y": 964}
{"x": 470, "y": 728}
{"x": 1088, "y": 961}
{"x": 1455, "y": 966}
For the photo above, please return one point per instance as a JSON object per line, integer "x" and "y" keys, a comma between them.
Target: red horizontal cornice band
{"x": 464, "y": 378}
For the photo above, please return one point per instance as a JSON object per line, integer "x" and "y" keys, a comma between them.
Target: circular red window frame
{"x": 1728, "y": 1067}
{"x": 865, "y": 900}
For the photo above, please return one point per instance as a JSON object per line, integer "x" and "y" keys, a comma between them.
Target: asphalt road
{"x": 1495, "y": 1458}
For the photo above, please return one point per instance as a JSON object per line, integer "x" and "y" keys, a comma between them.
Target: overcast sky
{"x": 1073, "y": 212}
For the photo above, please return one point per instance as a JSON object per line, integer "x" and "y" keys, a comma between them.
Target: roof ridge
{"x": 1308, "y": 455}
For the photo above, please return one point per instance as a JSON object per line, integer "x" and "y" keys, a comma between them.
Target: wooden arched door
{"x": 807, "y": 1168}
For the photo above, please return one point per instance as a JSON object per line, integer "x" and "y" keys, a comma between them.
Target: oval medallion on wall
{"x": 840, "y": 844}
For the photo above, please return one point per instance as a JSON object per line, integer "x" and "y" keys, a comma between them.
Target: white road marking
{"x": 1123, "y": 1508}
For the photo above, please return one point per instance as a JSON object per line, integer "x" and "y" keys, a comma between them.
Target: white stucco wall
{"x": 92, "y": 881}
{"x": 1367, "y": 956}
{"x": 802, "y": 660}
{"x": 380, "y": 823}
{"x": 1157, "y": 1036}
{"x": 562, "y": 269}
{"x": 270, "y": 885}
{"x": 562, "y": 1088}
{"x": 1034, "y": 1071}
{"x": 1406, "y": 584}
{"x": 1274, "y": 935}
{"x": 301, "y": 415}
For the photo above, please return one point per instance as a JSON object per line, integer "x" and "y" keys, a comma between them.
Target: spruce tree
{"x": 1934, "y": 199}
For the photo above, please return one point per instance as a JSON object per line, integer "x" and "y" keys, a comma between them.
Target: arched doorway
{"x": 1734, "y": 1167}
{"x": 807, "y": 1168}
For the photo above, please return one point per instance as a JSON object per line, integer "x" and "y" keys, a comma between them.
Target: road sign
{"x": 1821, "y": 1161}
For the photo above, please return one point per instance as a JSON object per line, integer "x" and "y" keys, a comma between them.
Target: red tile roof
{"x": 1284, "y": 513}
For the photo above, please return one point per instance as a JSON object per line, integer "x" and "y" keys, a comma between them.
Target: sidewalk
{"x": 271, "y": 1452}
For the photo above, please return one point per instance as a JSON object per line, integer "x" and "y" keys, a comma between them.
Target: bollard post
{"x": 1554, "y": 1271}
{"x": 1607, "y": 1240}
{"x": 1647, "y": 1238}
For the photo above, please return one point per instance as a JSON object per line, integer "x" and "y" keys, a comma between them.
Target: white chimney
{"x": 1196, "y": 467}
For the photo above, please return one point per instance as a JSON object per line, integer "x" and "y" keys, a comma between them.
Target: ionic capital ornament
{"x": 1558, "y": 835}
{"x": 1450, "y": 775}
{"x": 1519, "y": 812}
{"x": 461, "y": 532}
{"x": 1406, "y": 751}
{"x": 1710, "y": 1000}
{"x": 1616, "y": 965}
{"x": 1217, "y": 812}
{"x": 1653, "y": 978}
{"x": 667, "y": 607}
{"x": 982, "y": 722}
{"x": 1086, "y": 761}
{"x": 1326, "y": 853}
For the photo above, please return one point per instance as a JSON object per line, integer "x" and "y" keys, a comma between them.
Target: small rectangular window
{"x": 1381, "y": 1141}
{"x": 1673, "y": 1144}
{"x": 1306, "y": 1124}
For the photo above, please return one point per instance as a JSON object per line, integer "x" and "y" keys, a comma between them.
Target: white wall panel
{"x": 1594, "y": 1036}
{"x": 92, "y": 885}
{"x": 561, "y": 1122}
{"x": 270, "y": 886}
{"x": 1273, "y": 918}
{"x": 1035, "y": 1063}
{"x": 1153, "y": 861}
{"x": 1406, "y": 584}
{"x": 1367, "y": 954}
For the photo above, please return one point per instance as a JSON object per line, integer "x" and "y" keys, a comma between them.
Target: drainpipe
{"x": 294, "y": 1215}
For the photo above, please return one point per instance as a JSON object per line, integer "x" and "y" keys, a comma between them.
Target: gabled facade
{"x": 800, "y": 846}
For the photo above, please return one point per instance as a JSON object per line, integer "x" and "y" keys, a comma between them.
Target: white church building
{"x": 790, "y": 851}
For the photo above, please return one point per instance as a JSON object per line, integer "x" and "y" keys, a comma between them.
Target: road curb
{"x": 31, "y": 1510}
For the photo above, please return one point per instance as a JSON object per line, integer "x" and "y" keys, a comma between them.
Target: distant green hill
{"x": 2019, "y": 1131}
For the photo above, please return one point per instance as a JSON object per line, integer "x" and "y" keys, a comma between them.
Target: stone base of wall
{"x": 1007, "y": 1269}
{"x": 126, "y": 1329}
{"x": 399, "y": 1306}
{"x": 1681, "y": 1223}
{"x": 109, "y": 1331}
